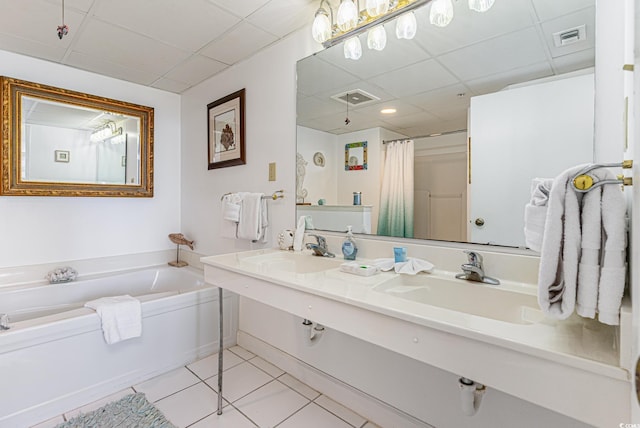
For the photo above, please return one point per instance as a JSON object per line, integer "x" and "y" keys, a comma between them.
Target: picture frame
{"x": 62, "y": 156}
{"x": 225, "y": 131}
{"x": 355, "y": 156}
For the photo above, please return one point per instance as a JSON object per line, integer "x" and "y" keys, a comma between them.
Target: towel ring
{"x": 583, "y": 182}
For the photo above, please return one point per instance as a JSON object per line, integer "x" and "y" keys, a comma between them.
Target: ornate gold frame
{"x": 11, "y": 91}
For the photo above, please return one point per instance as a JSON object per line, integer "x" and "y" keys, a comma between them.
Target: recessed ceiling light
{"x": 388, "y": 111}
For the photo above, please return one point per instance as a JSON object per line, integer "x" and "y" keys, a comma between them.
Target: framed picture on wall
{"x": 225, "y": 129}
{"x": 61, "y": 155}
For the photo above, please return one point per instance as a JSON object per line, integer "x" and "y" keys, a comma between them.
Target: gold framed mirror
{"x": 58, "y": 142}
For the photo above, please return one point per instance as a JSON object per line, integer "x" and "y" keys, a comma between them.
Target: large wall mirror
{"x": 57, "y": 142}
{"x": 491, "y": 102}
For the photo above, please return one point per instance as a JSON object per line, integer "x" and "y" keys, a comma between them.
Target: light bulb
{"x": 352, "y": 48}
{"x": 481, "y": 5}
{"x": 441, "y": 13}
{"x": 406, "y": 26}
{"x": 321, "y": 29}
{"x": 377, "y": 38}
{"x": 347, "y": 15}
{"x": 377, "y": 7}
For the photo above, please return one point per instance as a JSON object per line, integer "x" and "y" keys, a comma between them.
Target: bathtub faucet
{"x": 4, "y": 322}
{"x": 474, "y": 271}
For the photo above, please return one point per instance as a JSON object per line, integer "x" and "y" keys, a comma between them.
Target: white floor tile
{"x": 167, "y": 384}
{"x": 230, "y": 418}
{"x": 271, "y": 404}
{"x": 266, "y": 366}
{"x": 242, "y": 353}
{"x": 190, "y": 405}
{"x": 50, "y": 423}
{"x": 239, "y": 381}
{"x": 298, "y": 386}
{"x": 99, "y": 403}
{"x": 314, "y": 416}
{"x": 340, "y": 411}
{"x": 208, "y": 366}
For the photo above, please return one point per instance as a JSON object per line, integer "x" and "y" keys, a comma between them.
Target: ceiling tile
{"x": 499, "y": 81}
{"x": 469, "y": 27}
{"x": 81, "y": 5}
{"x": 37, "y": 21}
{"x": 239, "y": 43}
{"x": 548, "y": 9}
{"x": 99, "y": 65}
{"x": 496, "y": 55}
{"x": 240, "y": 8}
{"x": 403, "y": 121}
{"x": 420, "y": 77}
{"x": 575, "y": 61}
{"x": 170, "y": 85}
{"x": 441, "y": 100}
{"x": 312, "y": 108}
{"x": 281, "y": 17}
{"x": 128, "y": 49}
{"x": 195, "y": 70}
{"x": 31, "y": 48}
{"x": 188, "y": 25}
{"x": 585, "y": 17}
{"x": 312, "y": 76}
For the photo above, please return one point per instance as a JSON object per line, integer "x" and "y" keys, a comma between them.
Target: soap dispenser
{"x": 349, "y": 249}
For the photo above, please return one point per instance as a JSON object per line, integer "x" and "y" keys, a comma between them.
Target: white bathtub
{"x": 54, "y": 357}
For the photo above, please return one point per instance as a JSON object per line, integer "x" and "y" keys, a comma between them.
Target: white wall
{"x": 48, "y": 229}
{"x": 269, "y": 79}
{"x": 320, "y": 182}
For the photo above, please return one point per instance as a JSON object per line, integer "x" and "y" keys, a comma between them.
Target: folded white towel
{"x": 253, "y": 218}
{"x": 411, "y": 267}
{"x": 230, "y": 211}
{"x": 121, "y": 317}
{"x": 560, "y": 252}
{"x": 535, "y": 212}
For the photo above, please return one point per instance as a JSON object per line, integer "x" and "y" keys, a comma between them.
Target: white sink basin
{"x": 291, "y": 262}
{"x": 465, "y": 296}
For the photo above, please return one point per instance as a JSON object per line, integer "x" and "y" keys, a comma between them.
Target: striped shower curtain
{"x": 396, "y": 194}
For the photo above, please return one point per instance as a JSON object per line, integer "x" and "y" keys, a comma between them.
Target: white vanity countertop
{"x": 580, "y": 343}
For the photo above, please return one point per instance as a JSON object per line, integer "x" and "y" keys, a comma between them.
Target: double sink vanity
{"x": 493, "y": 334}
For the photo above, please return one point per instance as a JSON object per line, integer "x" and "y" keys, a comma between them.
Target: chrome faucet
{"x": 474, "y": 271}
{"x": 4, "y": 322}
{"x": 320, "y": 248}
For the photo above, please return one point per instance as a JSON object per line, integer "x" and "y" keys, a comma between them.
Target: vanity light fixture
{"x": 406, "y": 26}
{"x": 441, "y": 13}
{"x": 377, "y": 38}
{"x": 106, "y": 132}
{"x": 376, "y": 8}
{"x": 352, "y": 48}
{"x": 481, "y": 5}
{"x": 348, "y": 15}
{"x": 322, "y": 23}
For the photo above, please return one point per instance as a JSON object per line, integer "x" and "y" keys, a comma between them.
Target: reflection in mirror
{"x": 64, "y": 143}
{"x": 491, "y": 102}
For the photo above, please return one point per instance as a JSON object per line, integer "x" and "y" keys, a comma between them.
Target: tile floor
{"x": 255, "y": 393}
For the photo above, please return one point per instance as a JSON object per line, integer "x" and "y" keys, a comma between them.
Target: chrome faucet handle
{"x": 474, "y": 258}
{"x": 322, "y": 242}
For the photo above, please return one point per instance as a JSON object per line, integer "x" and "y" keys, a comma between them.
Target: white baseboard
{"x": 365, "y": 405}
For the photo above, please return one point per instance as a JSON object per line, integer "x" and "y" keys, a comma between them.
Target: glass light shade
{"x": 377, "y": 38}
{"x": 441, "y": 13}
{"x": 481, "y": 5}
{"x": 406, "y": 26}
{"x": 321, "y": 28}
{"x": 347, "y": 15}
{"x": 352, "y": 48}
{"x": 377, "y": 7}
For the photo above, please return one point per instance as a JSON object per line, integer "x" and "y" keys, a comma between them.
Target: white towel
{"x": 535, "y": 212}
{"x": 253, "y": 218}
{"x": 230, "y": 214}
{"x": 121, "y": 317}
{"x": 411, "y": 267}
{"x": 583, "y": 257}
{"x": 560, "y": 252}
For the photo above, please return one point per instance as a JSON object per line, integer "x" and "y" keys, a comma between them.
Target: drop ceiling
{"x": 167, "y": 44}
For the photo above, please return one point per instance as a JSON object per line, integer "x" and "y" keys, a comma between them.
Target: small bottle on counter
{"x": 349, "y": 248}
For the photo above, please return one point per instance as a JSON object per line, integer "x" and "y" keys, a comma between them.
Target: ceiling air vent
{"x": 570, "y": 36}
{"x": 355, "y": 97}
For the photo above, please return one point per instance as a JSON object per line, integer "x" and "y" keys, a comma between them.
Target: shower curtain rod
{"x": 424, "y": 136}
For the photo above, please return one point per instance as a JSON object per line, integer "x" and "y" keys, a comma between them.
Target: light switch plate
{"x": 272, "y": 171}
